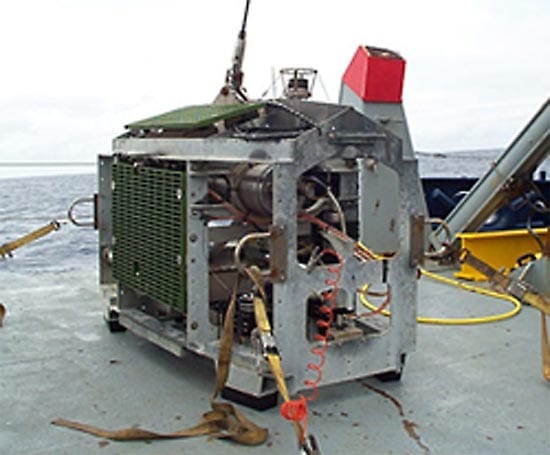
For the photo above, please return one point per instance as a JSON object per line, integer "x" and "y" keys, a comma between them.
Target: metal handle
{"x": 77, "y": 202}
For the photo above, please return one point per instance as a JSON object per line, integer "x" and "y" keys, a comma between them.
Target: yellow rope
{"x": 455, "y": 321}
{"x": 375, "y": 256}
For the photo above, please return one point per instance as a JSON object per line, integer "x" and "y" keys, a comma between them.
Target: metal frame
{"x": 347, "y": 136}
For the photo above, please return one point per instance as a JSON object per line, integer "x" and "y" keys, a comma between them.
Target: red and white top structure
{"x": 376, "y": 75}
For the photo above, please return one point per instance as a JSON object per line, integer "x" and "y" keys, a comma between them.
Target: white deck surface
{"x": 468, "y": 390}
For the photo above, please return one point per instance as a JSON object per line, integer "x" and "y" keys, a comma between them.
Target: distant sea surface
{"x": 27, "y": 203}
{"x": 31, "y": 202}
{"x": 472, "y": 164}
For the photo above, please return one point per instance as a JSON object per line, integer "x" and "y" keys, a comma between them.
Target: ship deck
{"x": 466, "y": 389}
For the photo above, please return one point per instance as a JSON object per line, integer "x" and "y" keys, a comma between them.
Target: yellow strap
{"x": 537, "y": 301}
{"x": 273, "y": 359}
{"x": 542, "y": 304}
{"x": 7, "y": 248}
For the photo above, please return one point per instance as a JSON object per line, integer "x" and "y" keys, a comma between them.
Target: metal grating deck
{"x": 149, "y": 232}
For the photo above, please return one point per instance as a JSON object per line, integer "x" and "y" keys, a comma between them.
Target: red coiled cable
{"x": 325, "y": 322}
{"x": 296, "y": 410}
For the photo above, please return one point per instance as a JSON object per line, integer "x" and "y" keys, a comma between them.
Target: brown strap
{"x": 497, "y": 279}
{"x": 2, "y": 314}
{"x": 132, "y": 434}
{"x": 226, "y": 344}
{"x": 224, "y": 421}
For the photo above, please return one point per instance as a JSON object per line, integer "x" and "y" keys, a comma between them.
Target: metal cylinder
{"x": 255, "y": 189}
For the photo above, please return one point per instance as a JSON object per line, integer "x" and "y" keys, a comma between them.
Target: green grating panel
{"x": 149, "y": 231}
{"x": 196, "y": 116}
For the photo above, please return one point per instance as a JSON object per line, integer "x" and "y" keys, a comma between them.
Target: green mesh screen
{"x": 196, "y": 116}
{"x": 149, "y": 231}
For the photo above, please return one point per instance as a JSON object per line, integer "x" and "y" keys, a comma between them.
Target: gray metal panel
{"x": 210, "y": 149}
{"x": 200, "y": 331}
{"x": 390, "y": 115}
{"x": 379, "y": 206}
{"x": 105, "y": 224}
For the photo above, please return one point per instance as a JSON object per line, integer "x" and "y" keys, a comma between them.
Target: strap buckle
{"x": 310, "y": 446}
{"x": 264, "y": 342}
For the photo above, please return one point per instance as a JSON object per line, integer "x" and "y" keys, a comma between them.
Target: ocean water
{"x": 27, "y": 203}
{"x": 471, "y": 163}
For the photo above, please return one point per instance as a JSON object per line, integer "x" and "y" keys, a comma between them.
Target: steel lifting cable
{"x": 454, "y": 321}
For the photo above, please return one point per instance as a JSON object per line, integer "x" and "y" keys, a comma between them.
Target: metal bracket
{"x": 416, "y": 242}
{"x": 278, "y": 252}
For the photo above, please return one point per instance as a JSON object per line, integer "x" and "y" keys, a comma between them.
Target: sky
{"x": 74, "y": 72}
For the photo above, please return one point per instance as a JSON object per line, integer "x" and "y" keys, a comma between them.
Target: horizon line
{"x": 46, "y": 163}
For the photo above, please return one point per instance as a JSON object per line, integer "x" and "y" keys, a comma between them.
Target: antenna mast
{"x": 232, "y": 91}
